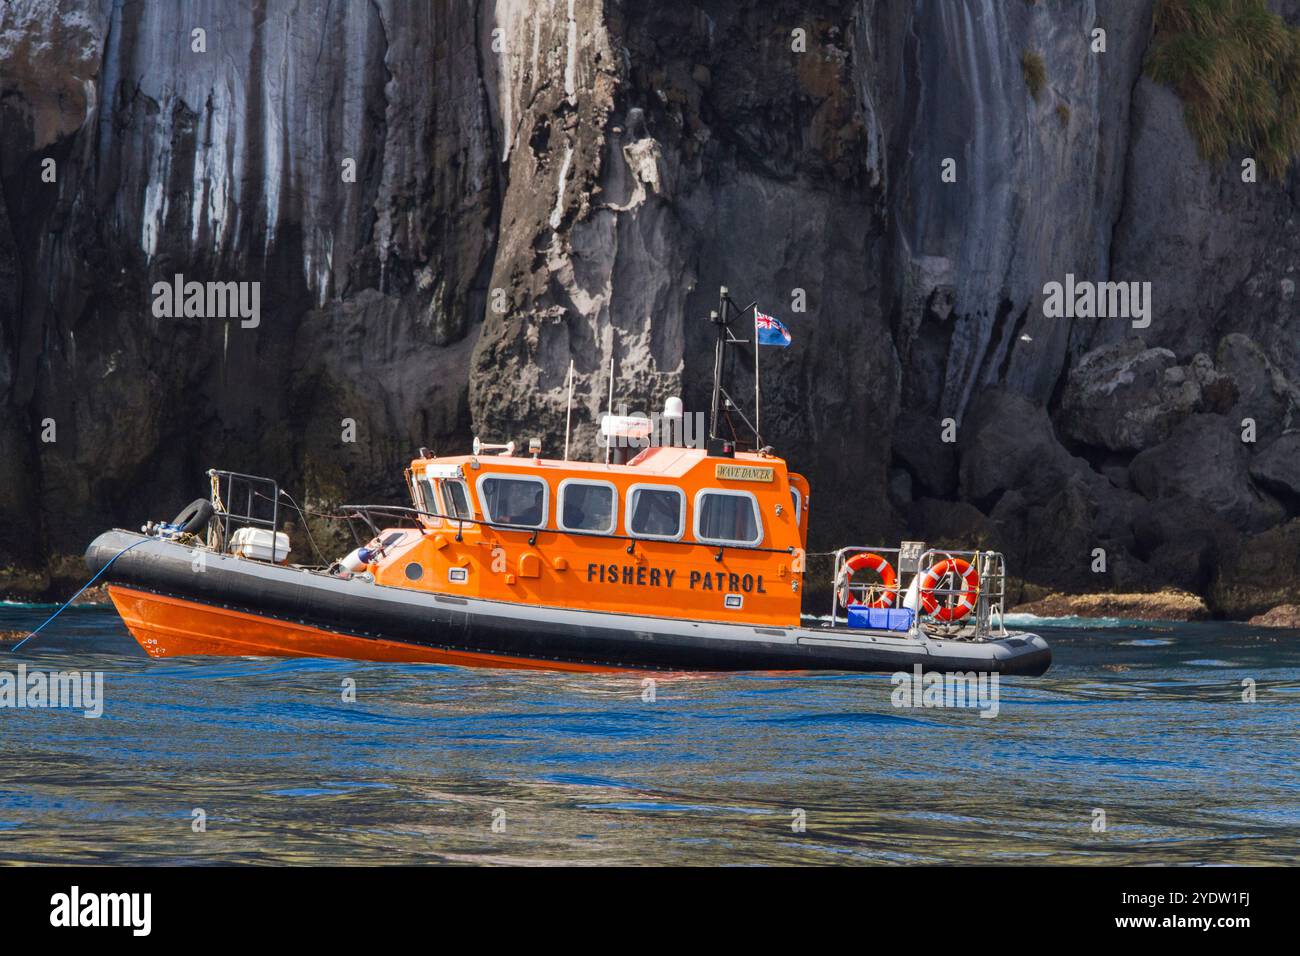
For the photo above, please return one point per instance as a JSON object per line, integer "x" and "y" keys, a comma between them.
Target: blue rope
{"x": 79, "y": 593}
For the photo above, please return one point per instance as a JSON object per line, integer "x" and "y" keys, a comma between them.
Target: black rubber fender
{"x": 195, "y": 517}
{"x": 358, "y": 608}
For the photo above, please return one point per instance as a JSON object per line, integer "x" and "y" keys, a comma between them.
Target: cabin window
{"x": 727, "y": 517}
{"x": 514, "y": 501}
{"x": 656, "y": 511}
{"x": 455, "y": 499}
{"x": 587, "y": 506}
{"x": 428, "y": 502}
{"x": 797, "y": 498}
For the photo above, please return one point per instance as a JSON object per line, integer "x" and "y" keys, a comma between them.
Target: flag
{"x": 769, "y": 331}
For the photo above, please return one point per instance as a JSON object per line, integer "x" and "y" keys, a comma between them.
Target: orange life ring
{"x": 874, "y": 562}
{"x": 970, "y": 580}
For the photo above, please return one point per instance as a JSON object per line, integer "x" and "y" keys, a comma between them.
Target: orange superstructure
{"x": 673, "y": 533}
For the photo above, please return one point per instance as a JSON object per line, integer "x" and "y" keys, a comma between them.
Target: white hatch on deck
{"x": 257, "y": 543}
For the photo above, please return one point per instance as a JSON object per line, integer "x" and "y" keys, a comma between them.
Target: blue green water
{"x": 1143, "y": 722}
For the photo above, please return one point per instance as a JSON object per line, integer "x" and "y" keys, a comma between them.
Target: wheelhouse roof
{"x": 662, "y": 461}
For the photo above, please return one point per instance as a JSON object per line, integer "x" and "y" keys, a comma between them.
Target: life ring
{"x": 874, "y": 562}
{"x": 195, "y": 517}
{"x": 970, "y": 580}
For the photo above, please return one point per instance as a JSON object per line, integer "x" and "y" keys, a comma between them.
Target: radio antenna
{"x": 722, "y": 402}
{"x": 568, "y": 413}
{"x": 610, "y": 413}
{"x": 718, "y": 318}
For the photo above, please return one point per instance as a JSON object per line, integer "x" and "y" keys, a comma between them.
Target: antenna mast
{"x": 568, "y": 413}
{"x": 718, "y": 318}
{"x": 722, "y": 318}
{"x": 610, "y": 413}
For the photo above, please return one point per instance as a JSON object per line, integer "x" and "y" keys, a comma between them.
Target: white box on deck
{"x": 256, "y": 543}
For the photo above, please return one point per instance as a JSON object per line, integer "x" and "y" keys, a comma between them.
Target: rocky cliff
{"x": 545, "y": 181}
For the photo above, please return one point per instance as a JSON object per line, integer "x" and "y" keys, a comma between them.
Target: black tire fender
{"x": 195, "y": 517}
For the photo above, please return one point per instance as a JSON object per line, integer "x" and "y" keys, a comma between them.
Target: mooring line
{"x": 79, "y": 593}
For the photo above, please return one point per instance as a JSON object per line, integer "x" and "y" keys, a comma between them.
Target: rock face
{"x": 225, "y": 154}
{"x": 1257, "y": 572}
{"x": 1126, "y": 397}
{"x": 1008, "y": 443}
{"x": 447, "y": 203}
{"x": 1160, "y": 606}
{"x": 1286, "y": 615}
{"x": 1205, "y": 463}
{"x": 1277, "y": 467}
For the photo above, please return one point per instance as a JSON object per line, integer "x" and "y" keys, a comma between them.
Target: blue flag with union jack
{"x": 770, "y": 331}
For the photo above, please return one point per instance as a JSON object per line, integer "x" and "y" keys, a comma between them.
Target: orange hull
{"x": 169, "y": 627}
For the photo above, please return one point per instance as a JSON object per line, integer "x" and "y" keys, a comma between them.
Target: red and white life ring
{"x": 965, "y": 603}
{"x": 873, "y": 562}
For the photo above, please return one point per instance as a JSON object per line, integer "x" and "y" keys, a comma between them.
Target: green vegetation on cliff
{"x": 1236, "y": 65}
{"x": 1035, "y": 70}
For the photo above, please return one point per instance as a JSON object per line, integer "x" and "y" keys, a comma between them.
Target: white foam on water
{"x": 1029, "y": 620}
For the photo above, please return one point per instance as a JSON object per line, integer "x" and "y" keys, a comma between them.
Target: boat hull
{"x": 175, "y": 605}
{"x": 172, "y": 627}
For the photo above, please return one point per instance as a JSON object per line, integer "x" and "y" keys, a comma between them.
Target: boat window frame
{"x": 449, "y": 512}
{"x": 729, "y": 542}
{"x": 594, "y": 482}
{"x": 649, "y": 486}
{"x": 798, "y": 506}
{"x": 430, "y": 500}
{"x": 513, "y": 476}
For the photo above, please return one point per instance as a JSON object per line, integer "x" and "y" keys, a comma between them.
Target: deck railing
{"x": 232, "y": 491}
{"x": 912, "y": 562}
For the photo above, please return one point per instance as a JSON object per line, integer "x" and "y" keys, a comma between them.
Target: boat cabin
{"x": 675, "y": 532}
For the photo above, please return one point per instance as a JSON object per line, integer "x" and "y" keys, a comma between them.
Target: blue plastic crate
{"x": 880, "y": 618}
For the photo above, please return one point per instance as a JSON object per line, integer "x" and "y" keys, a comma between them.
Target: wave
{"x": 1091, "y": 623}
{"x": 51, "y": 605}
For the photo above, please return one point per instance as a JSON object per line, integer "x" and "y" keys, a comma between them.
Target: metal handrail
{"x": 990, "y": 599}
{"x": 841, "y": 558}
{"x": 221, "y": 509}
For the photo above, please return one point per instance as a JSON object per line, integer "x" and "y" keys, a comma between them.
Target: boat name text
{"x": 643, "y": 576}
{"x": 744, "y": 472}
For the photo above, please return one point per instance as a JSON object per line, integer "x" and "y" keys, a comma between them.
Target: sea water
{"x": 1145, "y": 743}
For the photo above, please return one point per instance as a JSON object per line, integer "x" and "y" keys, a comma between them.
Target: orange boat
{"x": 666, "y": 557}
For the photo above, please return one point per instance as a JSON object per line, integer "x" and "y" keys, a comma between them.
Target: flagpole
{"x": 758, "y": 441}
